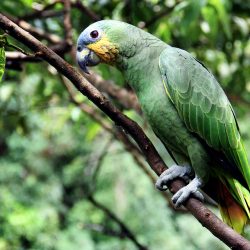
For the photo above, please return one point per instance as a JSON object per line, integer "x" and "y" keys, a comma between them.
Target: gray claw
{"x": 184, "y": 193}
{"x": 172, "y": 173}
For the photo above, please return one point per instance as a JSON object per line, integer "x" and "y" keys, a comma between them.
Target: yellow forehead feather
{"x": 106, "y": 50}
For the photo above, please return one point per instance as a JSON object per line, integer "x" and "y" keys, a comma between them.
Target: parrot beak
{"x": 86, "y": 57}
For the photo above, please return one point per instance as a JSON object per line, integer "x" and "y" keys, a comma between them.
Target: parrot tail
{"x": 234, "y": 208}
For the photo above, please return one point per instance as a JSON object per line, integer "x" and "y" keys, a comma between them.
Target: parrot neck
{"x": 141, "y": 67}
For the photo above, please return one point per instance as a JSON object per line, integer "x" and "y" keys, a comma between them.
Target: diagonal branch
{"x": 127, "y": 98}
{"x": 157, "y": 16}
{"x": 105, "y": 230}
{"x": 79, "y": 5}
{"x": 37, "y": 32}
{"x": 203, "y": 214}
{"x": 124, "y": 97}
{"x": 124, "y": 229}
{"x": 37, "y": 13}
{"x": 46, "y": 11}
{"x": 120, "y": 136}
{"x": 94, "y": 165}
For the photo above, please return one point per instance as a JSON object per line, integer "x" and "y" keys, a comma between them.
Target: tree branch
{"x": 37, "y": 13}
{"x": 119, "y": 135}
{"x": 37, "y": 32}
{"x": 125, "y": 97}
{"x": 105, "y": 230}
{"x": 47, "y": 12}
{"x": 94, "y": 164}
{"x": 204, "y": 215}
{"x": 126, "y": 231}
{"x": 156, "y": 17}
{"x": 79, "y": 5}
{"x": 67, "y": 23}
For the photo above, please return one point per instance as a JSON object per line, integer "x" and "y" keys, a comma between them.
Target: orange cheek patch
{"x": 105, "y": 50}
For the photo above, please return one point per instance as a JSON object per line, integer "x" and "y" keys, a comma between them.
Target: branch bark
{"x": 37, "y": 32}
{"x": 67, "y": 22}
{"x": 122, "y": 226}
{"x": 128, "y": 99}
{"x": 124, "y": 97}
{"x": 79, "y": 5}
{"x": 38, "y": 13}
{"x": 203, "y": 214}
{"x": 105, "y": 230}
{"x": 47, "y": 12}
{"x": 123, "y": 138}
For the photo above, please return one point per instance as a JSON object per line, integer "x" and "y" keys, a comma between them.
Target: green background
{"x": 53, "y": 155}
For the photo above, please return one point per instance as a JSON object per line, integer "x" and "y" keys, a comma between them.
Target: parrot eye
{"x": 94, "y": 34}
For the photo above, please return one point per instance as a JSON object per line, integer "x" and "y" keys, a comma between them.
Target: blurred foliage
{"x": 48, "y": 146}
{"x": 2, "y": 55}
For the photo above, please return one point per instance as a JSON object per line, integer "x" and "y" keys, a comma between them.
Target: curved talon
{"x": 184, "y": 193}
{"x": 172, "y": 173}
{"x": 159, "y": 185}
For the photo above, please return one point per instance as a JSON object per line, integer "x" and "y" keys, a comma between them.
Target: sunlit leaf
{"x": 222, "y": 15}
{"x": 209, "y": 15}
{"x": 2, "y": 61}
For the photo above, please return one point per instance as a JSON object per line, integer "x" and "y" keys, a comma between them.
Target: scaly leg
{"x": 191, "y": 189}
{"x": 184, "y": 193}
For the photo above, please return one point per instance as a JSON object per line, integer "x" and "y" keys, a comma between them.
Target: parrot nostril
{"x": 79, "y": 48}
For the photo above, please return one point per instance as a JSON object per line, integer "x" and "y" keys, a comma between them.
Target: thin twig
{"x": 136, "y": 154}
{"x": 101, "y": 158}
{"x": 121, "y": 224}
{"x": 94, "y": 164}
{"x": 155, "y": 18}
{"x": 79, "y": 5}
{"x": 37, "y": 32}
{"x": 119, "y": 134}
{"x": 43, "y": 14}
{"x": 67, "y": 22}
{"x": 125, "y": 98}
{"x": 122, "y": 95}
{"x": 38, "y": 13}
{"x": 105, "y": 230}
{"x": 47, "y": 12}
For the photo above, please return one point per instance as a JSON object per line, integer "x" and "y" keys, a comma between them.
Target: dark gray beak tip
{"x": 84, "y": 68}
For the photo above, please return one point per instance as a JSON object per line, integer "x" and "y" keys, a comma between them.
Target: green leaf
{"x": 2, "y": 62}
{"x": 209, "y": 15}
{"x": 223, "y": 16}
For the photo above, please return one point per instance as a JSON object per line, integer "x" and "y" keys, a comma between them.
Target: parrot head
{"x": 104, "y": 42}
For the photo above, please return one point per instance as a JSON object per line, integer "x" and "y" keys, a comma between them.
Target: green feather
{"x": 205, "y": 110}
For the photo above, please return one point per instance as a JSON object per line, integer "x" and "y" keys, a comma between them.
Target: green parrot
{"x": 186, "y": 108}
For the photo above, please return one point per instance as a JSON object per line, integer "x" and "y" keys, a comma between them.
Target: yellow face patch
{"x": 106, "y": 50}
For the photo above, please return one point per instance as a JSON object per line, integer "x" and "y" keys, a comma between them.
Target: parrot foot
{"x": 191, "y": 189}
{"x": 172, "y": 173}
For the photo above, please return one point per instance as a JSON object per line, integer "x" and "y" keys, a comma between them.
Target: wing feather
{"x": 203, "y": 105}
